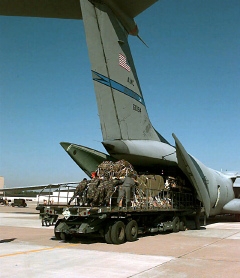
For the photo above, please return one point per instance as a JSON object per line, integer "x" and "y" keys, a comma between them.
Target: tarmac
{"x": 29, "y": 250}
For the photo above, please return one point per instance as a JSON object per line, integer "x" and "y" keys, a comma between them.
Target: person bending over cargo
{"x": 99, "y": 196}
{"x": 110, "y": 189}
{"x": 126, "y": 188}
{"x": 92, "y": 190}
{"x": 79, "y": 192}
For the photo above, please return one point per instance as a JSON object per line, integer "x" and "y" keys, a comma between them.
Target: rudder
{"x": 120, "y": 102}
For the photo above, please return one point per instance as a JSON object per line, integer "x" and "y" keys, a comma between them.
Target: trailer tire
{"x": 183, "y": 224}
{"x": 65, "y": 237}
{"x": 131, "y": 230}
{"x": 107, "y": 234}
{"x": 176, "y": 224}
{"x": 57, "y": 234}
{"x": 118, "y": 233}
{"x": 47, "y": 223}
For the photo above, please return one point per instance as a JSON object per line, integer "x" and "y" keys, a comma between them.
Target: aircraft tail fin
{"x": 121, "y": 105}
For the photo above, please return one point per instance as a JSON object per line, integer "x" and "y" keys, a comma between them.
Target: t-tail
{"x": 124, "y": 119}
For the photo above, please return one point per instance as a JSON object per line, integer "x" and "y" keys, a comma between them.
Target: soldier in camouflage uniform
{"x": 92, "y": 190}
{"x": 110, "y": 188}
{"x": 79, "y": 192}
{"x": 99, "y": 197}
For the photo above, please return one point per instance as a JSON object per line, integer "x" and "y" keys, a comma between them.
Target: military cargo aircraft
{"x": 126, "y": 128}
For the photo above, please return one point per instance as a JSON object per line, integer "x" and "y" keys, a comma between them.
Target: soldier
{"x": 110, "y": 188}
{"x": 92, "y": 189}
{"x": 6, "y": 203}
{"x": 125, "y": 189}
{"x": 100, "y": 192}
{"x": 79, "y": 192}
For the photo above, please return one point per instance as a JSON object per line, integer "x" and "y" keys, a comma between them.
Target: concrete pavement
{"x": 28, "y": 249}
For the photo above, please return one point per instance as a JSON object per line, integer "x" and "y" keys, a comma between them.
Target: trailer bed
{"x": 146, "y": 213}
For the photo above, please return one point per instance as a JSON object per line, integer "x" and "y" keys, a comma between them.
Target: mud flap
{"x": 194, "y": 173}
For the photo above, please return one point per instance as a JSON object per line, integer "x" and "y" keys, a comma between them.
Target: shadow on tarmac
{"x": 7, "y": 240}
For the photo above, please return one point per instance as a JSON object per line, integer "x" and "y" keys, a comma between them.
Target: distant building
{"x": 1, "y": 184}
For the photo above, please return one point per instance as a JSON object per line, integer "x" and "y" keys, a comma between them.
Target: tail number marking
{"x": 130, "y": 81}
{"x": 136, "y": 108}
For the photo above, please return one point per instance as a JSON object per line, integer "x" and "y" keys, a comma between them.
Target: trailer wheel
{"x": 107, "y": 234}
{"x": 47, "y": 223}
{"x": 176, "y": 223}
{"x": 57, "y": 234}
{"x": 118, "y": 233}
{"x": 183, "y": 224}
{"x": 64, "y": 236}
{"x": 131, "y": 231}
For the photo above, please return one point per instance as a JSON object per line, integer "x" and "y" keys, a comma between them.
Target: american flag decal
{"x": 123, "y": 62}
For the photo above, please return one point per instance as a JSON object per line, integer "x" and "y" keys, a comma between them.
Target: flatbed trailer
{"x": 165, "y": 212}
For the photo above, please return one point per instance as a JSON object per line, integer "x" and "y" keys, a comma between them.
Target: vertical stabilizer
{"x": 120, "y": 102}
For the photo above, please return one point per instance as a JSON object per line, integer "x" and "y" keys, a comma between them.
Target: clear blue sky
{"x": 190, "y": 78}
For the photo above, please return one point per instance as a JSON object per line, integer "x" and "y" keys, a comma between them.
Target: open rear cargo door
{"x": 194, "y": 173}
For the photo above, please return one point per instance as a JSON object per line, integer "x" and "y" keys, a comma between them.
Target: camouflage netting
{"x": 117, "y": 169}
{"x": 122, "y": 168}
{"x": 149, "y": 191}
{"x": 148, "y": 186}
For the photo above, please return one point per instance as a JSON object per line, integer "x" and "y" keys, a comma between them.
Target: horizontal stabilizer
{"x": 232, "y": 207}
{"x": 87, "y": 159}
{"x": 67, "y": 9}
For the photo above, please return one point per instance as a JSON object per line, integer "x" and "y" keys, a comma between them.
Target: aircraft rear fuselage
{"x": 126, "y": 128}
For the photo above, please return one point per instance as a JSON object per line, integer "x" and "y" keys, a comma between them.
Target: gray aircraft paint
{"x": 126, "y": 128}
{"x": 120, "y": 102}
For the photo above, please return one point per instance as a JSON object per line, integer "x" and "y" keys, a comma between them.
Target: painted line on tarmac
{"x": 36, "y": 251}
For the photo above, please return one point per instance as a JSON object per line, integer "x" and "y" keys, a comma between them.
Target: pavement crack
{"x": 207, "y": 245}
